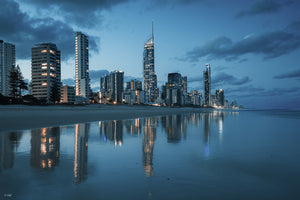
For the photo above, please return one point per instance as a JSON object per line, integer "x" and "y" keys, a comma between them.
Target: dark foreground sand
{"x": 17, "y": 117}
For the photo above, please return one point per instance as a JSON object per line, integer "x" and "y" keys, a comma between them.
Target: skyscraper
{"x": 220, "y": 97}
{"x": 7, "y": 61}
{"x": 45, "y": 71}
{"x": 206, "y": 79}
{"x": 150, "y": 79}
{"x": 82, "y": 79}
{"x": 111, "y": 86}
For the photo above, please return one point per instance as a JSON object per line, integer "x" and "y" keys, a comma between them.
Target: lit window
{"x": 44, "y": 64}
{"x": 44, "y": 74}
{"x": 44, "y": 67}
{"x": 51, "y": 51}
{"x": 44, "y": 51}
{"x": 44, "y": 83}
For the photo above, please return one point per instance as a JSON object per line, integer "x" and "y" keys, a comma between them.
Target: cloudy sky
{"x": 252, "y": 46}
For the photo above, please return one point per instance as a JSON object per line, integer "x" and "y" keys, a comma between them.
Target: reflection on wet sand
{"x": 45, "y": 144}
{"x": 81, "y": 152}
{"x": 112, "y": 131}
{"x": 7, "y": 144}
{"x": 149, "y": 135}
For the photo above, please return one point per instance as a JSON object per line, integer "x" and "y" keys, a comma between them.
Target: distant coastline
{"x": 20, "y": 117}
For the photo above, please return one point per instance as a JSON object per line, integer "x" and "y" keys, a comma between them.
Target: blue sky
{"x": 252, "y": 46}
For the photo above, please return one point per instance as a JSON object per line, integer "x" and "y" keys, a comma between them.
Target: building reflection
{"x": 7, "y": 143}
{"x": 112, "y": 131}
{"x": 149, "y": 135}
{"x": 133, "y": 126}
{"x": 45, "y": 144}
{"x": 81, "y": 152}
{"x": 175, "y": 127}
{"x": 216, "y": 117}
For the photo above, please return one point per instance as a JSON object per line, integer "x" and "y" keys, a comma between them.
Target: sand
{"x": 20, "y": 117}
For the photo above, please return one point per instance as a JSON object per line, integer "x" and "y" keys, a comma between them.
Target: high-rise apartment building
{"x": 207, "y": 84}
{"x": 220, "y": 97}
{"x": 7, "y": 61}
{"x": 67, "y": 94}
{"x": 82, "y": 79}
{"x": 111, "y": 87}
{"x": 149, "y": 76}
{"x": 45, "y": 71}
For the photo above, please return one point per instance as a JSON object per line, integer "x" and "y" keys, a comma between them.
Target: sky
{"x": 252, "y": 46}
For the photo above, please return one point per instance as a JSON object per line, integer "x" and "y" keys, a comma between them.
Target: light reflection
{"x": 45, "y": 145}
{"x": 81, "y": 152}
{"x": 149, "y": 135}
{"x": 112, "y": 131}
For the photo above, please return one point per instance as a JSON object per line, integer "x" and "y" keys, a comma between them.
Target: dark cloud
{"x": 24, "y": 31}
{"x": 95, "y": 75}
{"x": 263, "y": 7}
{"x": 292, "y": 74}
{"x": 251, "y": 91}
{"x": 269, "y": 45}
{"x": 69, "y": 81}
{"x": 229, "y": 79}
{"x": 222, "y": 79}
{"x": 78, "y": 11}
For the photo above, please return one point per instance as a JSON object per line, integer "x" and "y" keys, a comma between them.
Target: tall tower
{"x": 82, "y": 79}
{"x": 150, "y": 79}
{"x": 45, "y": 71}
{"x": 207, "y": 84}
{"x": 7, "y": 61}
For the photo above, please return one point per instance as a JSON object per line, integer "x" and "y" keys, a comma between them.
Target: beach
{"x": 19, "y": 117}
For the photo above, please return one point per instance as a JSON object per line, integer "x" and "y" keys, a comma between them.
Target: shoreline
{"x": 22, "y": 117}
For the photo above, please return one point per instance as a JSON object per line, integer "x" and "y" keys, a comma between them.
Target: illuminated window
{"x": 44, "y": 67}
{"x": 44, "y": 64}
{"x": 44, "y": 74}
{"x": 51, "y": 51}
{"x": 53, "y": 68}
{"x": 44, "y": 51}
{"x": 52, "y": 75}
{"x": 87, "y": 48}
{"x": 44, "y": 83}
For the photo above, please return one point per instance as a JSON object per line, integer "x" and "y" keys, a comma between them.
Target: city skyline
{"x": 252, "y": 46}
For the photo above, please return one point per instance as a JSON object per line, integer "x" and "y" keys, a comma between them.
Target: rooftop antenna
{"x": 152, "y": 31}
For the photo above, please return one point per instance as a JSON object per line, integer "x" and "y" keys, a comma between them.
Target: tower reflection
{"x": 112, "y": 131}
{"x": 45, "y": 144}
{"x": 81, "y": 152}
{"x": 175, "y": 127}
{"x": 7, "y": 143}
{"x": 149, "y": 135}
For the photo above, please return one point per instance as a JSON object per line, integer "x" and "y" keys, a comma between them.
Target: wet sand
{"x": 18, "y": 117}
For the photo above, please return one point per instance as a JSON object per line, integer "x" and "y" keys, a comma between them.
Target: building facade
{"x": 111, "y": 87}
{"x": 220, "y": 98}
{"x": 82, "y": 79}
{"x": 207, "y": 85}
{"x": 174, "y": 90}
{"x": 67, "y": 94}
{"x": 45, "y": 71}
{"x": 133, "y": 93}
{"x": 7, "y": 61}
{"x": 149, "y": 76}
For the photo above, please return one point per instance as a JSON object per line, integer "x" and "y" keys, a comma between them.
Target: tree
{"x": 17, "y": 83}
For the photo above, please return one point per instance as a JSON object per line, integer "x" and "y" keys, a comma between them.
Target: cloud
{"x": 229, "y": 79}
{"x": 95, "y": 75}
{"x": 77, "y": 11}
{"x": 263, "y": 7}
{"x": 69, "y": 81}
{"x": 174, "y": 2}
{"x": 25, "y": 31}
{"x": 269, "y": 45}
{"x": 287, "y": 75}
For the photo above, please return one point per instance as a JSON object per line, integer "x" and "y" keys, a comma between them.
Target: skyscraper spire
{"x": 152, "y": 31}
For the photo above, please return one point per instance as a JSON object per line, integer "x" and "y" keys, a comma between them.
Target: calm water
{"x": 215, "y": 155}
